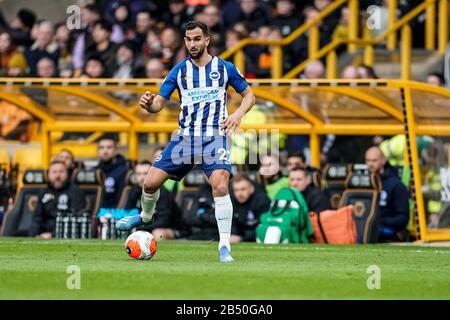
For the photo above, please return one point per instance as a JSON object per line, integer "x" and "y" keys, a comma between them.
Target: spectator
{"x": 60, "y": 195}
{"x": 115, "y": 169}
{"x": 394, "y": 199}
{"x": 316, "y": 200}
{"x": 436, "y": 79}
{"x": 144, "y": 25}
{"x": 46, "y": 68}
{"x": 350, "y": 72}
{"x": 90, "y": 14}
{"x": 249, "y": 202}
{"x": 211, "y": 17}
{"x": 154, "y": 69}
{"x": 122, "y": 23}
{"x": 286, "y": 17}
{"x": 314, "y": 70}
{"x": 103, "y": 47}
{"x": 271, "y": 175}
{"x": 366, "y": 72}
{"x": 204, "y": 224}
{"x": 171, "y": 50}
{"x": 95, "y": 68}
{"x": 10, "y": 58}
{"x": 43, "y": 47}
{"x": 177, "y": 15}
{"x": 127, "y": 65}
{"x": 296, "y": 159}
{"x": 167, "y": 223}
{"x": 134, "y": 7}
{"x": 20, "y": 28}
{"x": 254, "y": 14}
{"x": 62, "y": 39}
{"x": 67, "y": 157}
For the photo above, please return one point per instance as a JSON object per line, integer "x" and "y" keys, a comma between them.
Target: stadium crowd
{"x": 126, "y": 39}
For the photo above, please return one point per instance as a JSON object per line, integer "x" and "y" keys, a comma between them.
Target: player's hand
{"x": 230, "y": 124}
{"x": 146, "y": 100}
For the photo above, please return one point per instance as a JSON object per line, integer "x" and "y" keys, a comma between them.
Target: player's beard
{"x": 198, "y": 54}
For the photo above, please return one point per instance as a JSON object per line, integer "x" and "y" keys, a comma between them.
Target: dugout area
{"x": 314, "y": 108}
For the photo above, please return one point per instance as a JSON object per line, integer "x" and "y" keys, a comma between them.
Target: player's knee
{"x": 220, "y": 190}
{"x": 150, "y": 186}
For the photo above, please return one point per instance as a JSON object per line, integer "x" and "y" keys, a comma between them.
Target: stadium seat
{"x": 130, "y": 181}
{"x": 362, "y": 191}
{"x": 186, "y": 199}
{"x": 17, "y": 222}
{"x": 91, "y": 183}
{"x": 335, "y": 175}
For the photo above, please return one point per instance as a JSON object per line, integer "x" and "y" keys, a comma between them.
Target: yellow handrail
{"x": 239, "y": 57}
{"x": 353, "y": 42}
{"x": 369, "y": 43}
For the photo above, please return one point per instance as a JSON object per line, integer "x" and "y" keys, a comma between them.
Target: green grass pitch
{"x": 37, "y": 269}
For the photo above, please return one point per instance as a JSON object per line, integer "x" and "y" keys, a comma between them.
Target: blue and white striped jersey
{"x": 203, "y": 94}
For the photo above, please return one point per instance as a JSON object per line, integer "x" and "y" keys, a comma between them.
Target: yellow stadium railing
{"x": 353, "y": 42}
{"x": 397, "y": 107}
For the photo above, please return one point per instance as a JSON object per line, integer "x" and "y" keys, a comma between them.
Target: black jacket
{"x": 246, "y": 215}
{"x": 115, "y": 172}
{"x": 51, "y": 201}
{"x": 394, "y": 201}
{"x": 316, "y": 199}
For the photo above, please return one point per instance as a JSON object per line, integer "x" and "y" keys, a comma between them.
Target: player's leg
{"x": 150, "y": 192}
{"x": 150, "y": 195}
{"x": 223, "y": 211}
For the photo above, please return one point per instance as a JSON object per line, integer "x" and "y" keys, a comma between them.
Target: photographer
{"x": 60, "y": 195}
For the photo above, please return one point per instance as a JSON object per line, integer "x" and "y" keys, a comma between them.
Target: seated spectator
{"x": 20, "y": 27}
{"x": 90, "y": 14}
{"x": 127, "y": 65}
{"x": 154, "y": 69}
{"x": 314, "y": 70}
{"x": 62, "y": 39}
{"x": 122, "y": 22}
{"x": 66, "y": 156}
{"x": 271, "y": 175}
{"x": 43, "y": 47}
{"x": 102, "y": 46}
{"x": 167, "y": 222}
{"x": 366, "y": 72}
{"x": 296, "y": 159}
{"x": 254, "y": 13}
{"x": 46, "y": 68}
{"x": 249, "y": 202}
{"x": 436, "y": 79}
{"x": 171, "y": 48}
{"x": 316, "y": 200}
{"x": 10, "y": 57}
{"x": 115, "y": 169}
{"x": 60, "y": 195}
{"x": 350, "y": 72}
{"x": 94, "y": 68}
{"x": 144, "y": 25}
{"x": 204, "y": 224}
{"x": 394, "y": 199}
{"x": 177, "y": 15}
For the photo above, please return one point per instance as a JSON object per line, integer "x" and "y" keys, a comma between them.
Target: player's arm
{"x": 233, "y": 121}
{"x": 152, "y": 103}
